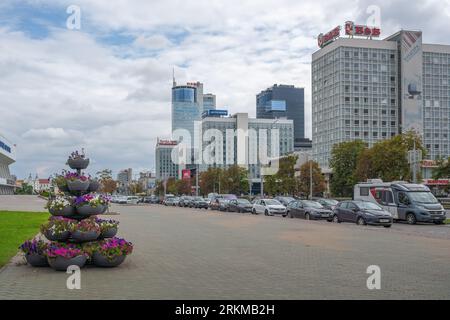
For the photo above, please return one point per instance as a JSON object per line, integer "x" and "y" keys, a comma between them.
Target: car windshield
{"x": 330, "y": 202}
{"x": 243, "y": 201}
{"x": 271, "y": 202}
{"x": 312, "y": 204}
{"x": 368, "y": 206}
{"x": 423, "y": 197}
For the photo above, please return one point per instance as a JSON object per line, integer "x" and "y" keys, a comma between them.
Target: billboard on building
{"x": 411, "y": 66}
{"x": 186, "y": 174}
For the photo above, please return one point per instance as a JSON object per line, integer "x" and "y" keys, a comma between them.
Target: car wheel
{"x": 411, "y": 218}
{"x": 266, "y": 213}
{"x": 307, "y": 216}
{"x": 290, "y": 215}
{"x": 388, "y": 226}
{"x": 360, "y": 221}
{"x": 336, "y": 219}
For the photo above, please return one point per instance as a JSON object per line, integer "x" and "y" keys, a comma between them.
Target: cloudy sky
{"x": 106, "y": 87}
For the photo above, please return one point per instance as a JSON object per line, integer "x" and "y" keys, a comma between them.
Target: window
{"x": 364, "y": 191}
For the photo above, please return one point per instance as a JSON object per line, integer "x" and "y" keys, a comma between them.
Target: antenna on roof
{"x": 173, "y": 77}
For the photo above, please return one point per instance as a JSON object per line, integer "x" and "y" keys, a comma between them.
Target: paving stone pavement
{"x": 196, "y": 254}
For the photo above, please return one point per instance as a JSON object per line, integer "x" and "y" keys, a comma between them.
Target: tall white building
{"x": 165, "y": 167}
{"x": 239, "y": 141}
{"x": 374, "y": 89}
{"x": 7, "y": 157}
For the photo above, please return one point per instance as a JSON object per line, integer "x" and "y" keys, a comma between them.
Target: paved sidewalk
{"x": 198, "y": 254}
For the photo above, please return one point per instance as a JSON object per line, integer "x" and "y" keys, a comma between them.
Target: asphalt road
{"x": 183, "y": 253}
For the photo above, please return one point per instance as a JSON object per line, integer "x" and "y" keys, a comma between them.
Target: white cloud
{"x": 72, "y": 89}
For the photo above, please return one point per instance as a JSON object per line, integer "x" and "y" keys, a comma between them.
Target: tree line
{"x": 353, "y": 162}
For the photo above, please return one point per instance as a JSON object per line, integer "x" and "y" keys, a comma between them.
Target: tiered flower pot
{"x": 87, "y": 210}
{"x": 78, "y": 185}
{"x": 79, "y": 236}
{"x": 100, "y": 260}
{"x": 61, "y": 237}
{"x": 65, "y": 212}
{"x": 108, "y": 233}
{"x": 37, "y": 260}
{"x": 78, "y": 164}
{"x": 77, "y": 241}
{"x": 61, "y": 264}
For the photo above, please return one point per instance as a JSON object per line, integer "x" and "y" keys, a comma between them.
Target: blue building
{"x": 187, "y": 106}
{"x": 285, "y": 101}
{"x": 209, "y": 102}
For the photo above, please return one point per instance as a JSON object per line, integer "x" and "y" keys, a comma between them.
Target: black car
{"x": 329, "y": 204}
{"x": 240, "y": 205}
{"x": 362, "y": 213}
{"x": 309, "y": 210}
{"x": 285, "y": 200}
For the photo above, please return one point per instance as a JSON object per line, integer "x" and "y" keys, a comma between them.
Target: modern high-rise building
{"x": 375, "y": 89}
{"x": 187, "y": 106}
{"x": 285, "y": 101}
{"x": 240, "y": 139}
{"x": 209, "y": 102}
{"x": 7, "y": 157}
{"x": 165, "y": 167}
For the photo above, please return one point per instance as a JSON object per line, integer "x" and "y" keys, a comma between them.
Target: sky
{"x": 106, "y": 87}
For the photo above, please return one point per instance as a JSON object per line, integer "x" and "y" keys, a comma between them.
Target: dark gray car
{"x": 309, "y": 210}
{"x": 240, "y": 205}
{"x": 362, "y": 213}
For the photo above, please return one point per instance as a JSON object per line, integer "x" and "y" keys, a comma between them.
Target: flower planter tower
{"x": 75, "y": 234}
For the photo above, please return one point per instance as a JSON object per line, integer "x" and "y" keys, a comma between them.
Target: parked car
{"x": 132, "y": 200}
{"x": 285, "y": 200}
{"x": 172, "y": 201}
{"x": 214, "y": 202}
{"x": 184, "y": 201}
{"x": 308, "y": 210}
{"x": 240, "y": 205}
{"x": 122, "y": 200}
{"x": 362, "y": 213}
{"x": 199, "y": 202}
{"x": 223, "y": 204}
{"x": 154, "y": 199}
{"x": 329, "y": 204}
{"x": 269, "y": 207}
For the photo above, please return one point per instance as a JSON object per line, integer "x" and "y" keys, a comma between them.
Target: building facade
{"x": 209, "y": 102}
{"x": 240, "y": 138}
{"x": 7, "y": 157}
{"x": 165, "y": 167}
{"x": 285, "y": 101}
{"x": 124, "y": 179}
{"x": 187, "y": 106}
{"x": 375, "y": 89}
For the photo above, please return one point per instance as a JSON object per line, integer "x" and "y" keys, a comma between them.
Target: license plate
{"x": 384, "y": 220}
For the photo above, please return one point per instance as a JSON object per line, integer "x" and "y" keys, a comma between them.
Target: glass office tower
{"x": 284, "y": 101}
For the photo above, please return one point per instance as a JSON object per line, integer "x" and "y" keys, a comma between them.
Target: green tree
{"x": 171, "y": 186}
{"x": 283, "y": 181}
{"x": 159, "y": 189}
{"x": 443, "y": 169}
{"x": 108, "y": 185}
{"x": 388, "y": 159}
{"x": 209, "y": 180}
{"x": 234, "y": 180}
{"x": 344, "y": 160}
{"x": 304, "y": 181}
{"x": 183, "y": 186}
{"x": 25, "y": 189}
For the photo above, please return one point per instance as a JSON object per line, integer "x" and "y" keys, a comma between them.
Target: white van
{"x": 405, "y": 201}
